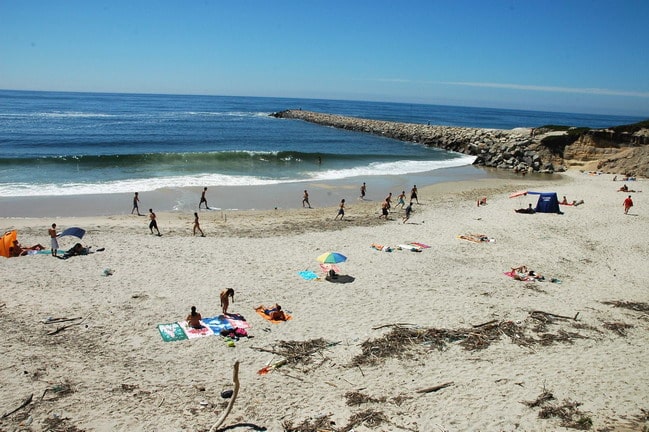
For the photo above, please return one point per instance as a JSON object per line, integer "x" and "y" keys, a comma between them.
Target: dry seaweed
{"x": 357, "y": 398}
{"x": 368, "y": 418}
{"x": 402, "y": 343}
{"x": 319, "y": 424}
{"x": 567, "y": 411}
{"x": 298, "y": 352}
{"x": 618, "y": 327}
{"x": 636, "y": 306}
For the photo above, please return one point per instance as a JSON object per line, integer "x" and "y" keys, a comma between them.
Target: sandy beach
{"x": 435, "y": 340}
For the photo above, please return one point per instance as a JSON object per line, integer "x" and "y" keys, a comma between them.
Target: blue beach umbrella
{"x": 331, "y": 258}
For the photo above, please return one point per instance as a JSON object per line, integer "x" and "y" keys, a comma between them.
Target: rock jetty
{"x": 504, "y": 149}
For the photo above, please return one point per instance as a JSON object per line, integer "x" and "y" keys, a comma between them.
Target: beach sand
{"x": 112, "y": 371}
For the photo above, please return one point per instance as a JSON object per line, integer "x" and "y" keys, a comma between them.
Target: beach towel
{"x": 477, "y": 238}
{"x": 171, "y": 332}
{"x": 260, "y": 310}
{"x": 193, "y": 333}
{"x": 421, "y": 245}
{"x": 217, "y": 324}
{"x": 307, "y": 275}
{"x": 409, "y": 247}
{"x": 237, "y": 321}
{"x": 512, "y": 273}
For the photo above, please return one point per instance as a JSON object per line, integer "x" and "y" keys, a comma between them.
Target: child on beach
{"x": 226, "y": 295}
{"x": 53, "y": 239}
{"x": 628, "y": 203}
{"x": 194, "y": 319}
{"x": 341, "y": 210}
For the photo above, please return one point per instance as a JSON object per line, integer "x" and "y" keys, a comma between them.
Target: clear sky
{"x": 557, "y": 55}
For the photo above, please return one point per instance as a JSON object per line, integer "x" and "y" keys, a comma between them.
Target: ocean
{"x": 54, "y": 143}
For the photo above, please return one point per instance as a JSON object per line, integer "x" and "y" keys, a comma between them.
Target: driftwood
{"x": 59, "y": 320}
{"x": 235, "y": 380}
{"x": 435, "y": 388}
{"x": 554, "y": 315}
{"x": 485, "y": 324}
{"x": 392, "y": 325}
{"x": 26, "y": 402}
{"x": 59, "y": 329}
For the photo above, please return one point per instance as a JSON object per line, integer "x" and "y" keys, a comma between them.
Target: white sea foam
{"x": 149, "y": 184}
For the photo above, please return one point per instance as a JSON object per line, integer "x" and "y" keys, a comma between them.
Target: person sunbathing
{"x": 277, "y": 314}
{"x": 194, "y": 319}
{"x": 331, "y": 274}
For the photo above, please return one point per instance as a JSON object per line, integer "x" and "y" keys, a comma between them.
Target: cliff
{"x": 620, "y": 150}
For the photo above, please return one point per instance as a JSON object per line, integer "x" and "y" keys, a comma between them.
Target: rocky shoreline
{"x": 515, "y": 150}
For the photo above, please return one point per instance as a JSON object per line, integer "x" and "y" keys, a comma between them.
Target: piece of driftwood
{"x": 435, "y": 388}
{"x": 555, "y": 315}
{"x": 26, "y": 402}
{"x": 392, "y": 325}
{"x": 485, "y": 324}
{"x": 235, "y": 380}
{"x": 59, "y": 320}
{"x": 59, "y": 329}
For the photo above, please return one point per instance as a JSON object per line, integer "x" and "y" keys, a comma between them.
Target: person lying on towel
{"x": 275, "y": 313}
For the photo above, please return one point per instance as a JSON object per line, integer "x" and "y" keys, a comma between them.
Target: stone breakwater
{"x": 505, "y": 149}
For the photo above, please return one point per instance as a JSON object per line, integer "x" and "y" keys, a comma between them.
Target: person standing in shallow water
{"x": 363, "y": 190}
{"x": 203, "y": 199}
{"x": 136, "y": 202}
{"x": 305, "y": 199}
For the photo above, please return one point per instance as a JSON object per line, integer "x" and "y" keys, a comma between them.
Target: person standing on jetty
{"x": 341, "y": 210}
{"x": 203, "y": 200}
{"x": 136, "y": 202}
{"x": 53, "y": 239}
{"x": 153, "y": 222}
{"x": 628, "y": 203}
{"x": 305, "y": 199}
{"x": 363, "y": 190}
{"x": 413, "y": 194}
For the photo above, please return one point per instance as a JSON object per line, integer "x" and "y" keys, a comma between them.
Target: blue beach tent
{"x": 548, "y": 202}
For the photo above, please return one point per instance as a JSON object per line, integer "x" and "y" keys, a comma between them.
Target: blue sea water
{"x": 54, "y": 143}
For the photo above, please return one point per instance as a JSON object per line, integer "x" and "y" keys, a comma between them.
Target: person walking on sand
{"x": 305, "y": 199}
{"x": 153, "y": 223}
{"x": 363, "y": 190}
{"x": 225, "y": 296}
{"x": 53, "y": 239}
{"x": 341, "y": 210}
{"x": 401, "y": 200}
{"x": 413, "y": 194}
{"x": 203, "y": 200}
{"x": 388, "y": 199}
{"x": 628, "y": 203}
{"x": 197, "y": 226}
{"x": 408, "y": 212}
{"x": 194, "y": 319}
{"x": 384, "y": 210}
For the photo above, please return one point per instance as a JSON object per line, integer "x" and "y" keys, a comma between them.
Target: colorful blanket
{"x": 260, "y": 310}
{"x": 177, "y": 331}
{"x": 421, "y": 245}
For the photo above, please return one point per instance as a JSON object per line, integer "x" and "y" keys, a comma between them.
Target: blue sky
{"x": 564, "y": 55}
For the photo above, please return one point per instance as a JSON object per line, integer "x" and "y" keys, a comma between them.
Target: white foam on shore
{"x": 151, "y": 184}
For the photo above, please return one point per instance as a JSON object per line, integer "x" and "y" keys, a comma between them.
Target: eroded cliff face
{"x": 624, "y": 154}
